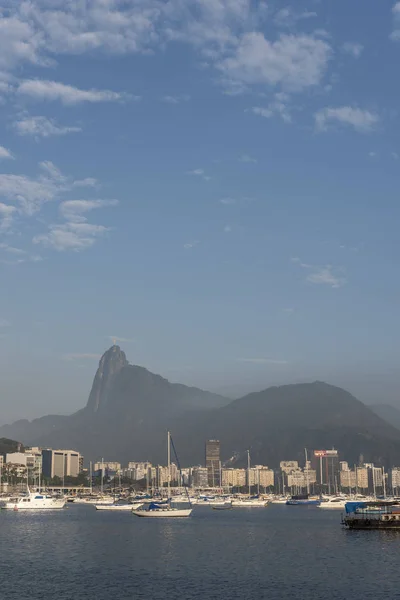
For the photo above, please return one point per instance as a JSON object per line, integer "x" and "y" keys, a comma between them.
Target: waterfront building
{"x": 213, "y": 462}
{"x": 287, "y": 466}
{"x": 140, "y": 469}
{"x": 394, "y": 480}
{"x": 107, "y": 466}
{"x": 261, "y": 477}
{"x": 326, "y": 463}
{"x": 16, "y": 458}
{"x": 235, "y": 478}
{"x": 61, "y": 463}
{"x": 200, "y": 477}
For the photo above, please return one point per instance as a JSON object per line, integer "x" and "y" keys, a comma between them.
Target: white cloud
{"x": 176, "y": 99}
{"x": 227, "y": 201}
{"x": 191, "y": 244}
{"x": 395, "y": 156}
{"x": 51, "y": 170}
{"x": 70, "y": 236}
{"x": 6, "y": 215}
{"x": 372, "y": 154}
{"x": 362, "y": 121}
{"x": 322, "y": 275}
{"x": 287, "y": 17}
{"x": 277, "y": 107}
{"x": 87, "y": 182}
{"x": 28, "y": 193}
{"x": 4, "y": 153}
{"x": 79, "y": 356}
{"x": 116, "y": 338}
{"x": 246, "y": 158}
{"x": 40, "y": 89}
{"x": 196, "y": 172}
{"x": 353, "y": 49}
{"x": 41, "y": 127}
{"x": 395, "y": 35}
{"x": 74, "y": 210}
{"x": 263, "y": 361}
{"x": 12, "y": 250}
{"x": 294, "y": 62}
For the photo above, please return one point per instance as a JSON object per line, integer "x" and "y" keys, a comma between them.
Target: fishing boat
{"x": 167, "y": 510}
{"x": 372, "y": 515}
{"x": 34, "y": 501}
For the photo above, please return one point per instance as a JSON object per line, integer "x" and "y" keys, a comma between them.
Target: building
{"x": 140, "y": 470}
{"x": 327, "y": 466}
{"x": 234, "y": 478}
{"x": 394, "y": 479}
{"x": 61, "y": 463}
{"x": 114, "y": 467}
{"x": 287, "y": 466}
{"x": 200, "y": 477}
{"x": 261, "y": 477}
{"x": 16, "y": 458}
{"x": 213, "y": 462}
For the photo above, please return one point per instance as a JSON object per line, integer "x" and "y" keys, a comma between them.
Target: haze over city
{"x": 213, "y": 184}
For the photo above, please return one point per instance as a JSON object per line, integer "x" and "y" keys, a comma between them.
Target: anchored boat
{"x": 372, "y": 515}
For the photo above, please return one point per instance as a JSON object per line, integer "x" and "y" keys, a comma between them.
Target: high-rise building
{"x": 200, "y": 477}
{"x": 213, "y": 462}
{"x": 61, "y": 463}
{"x": 326, "y": 464}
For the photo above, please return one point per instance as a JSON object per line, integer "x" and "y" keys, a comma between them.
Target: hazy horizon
{"x": 214, "y": 184}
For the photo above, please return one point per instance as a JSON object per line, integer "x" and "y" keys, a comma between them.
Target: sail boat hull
{"x": 164, "y": 513}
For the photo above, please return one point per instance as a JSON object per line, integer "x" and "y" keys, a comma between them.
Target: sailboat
{"x": 249, "y": 502}
{"x": 166, "y": 510}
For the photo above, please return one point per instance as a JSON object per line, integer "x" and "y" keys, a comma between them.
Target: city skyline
{"x": 213, "y": 184}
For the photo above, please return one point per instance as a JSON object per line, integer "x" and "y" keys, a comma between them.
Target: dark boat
{"x": 302, "y": 499}
{"x": 372, "y": 515}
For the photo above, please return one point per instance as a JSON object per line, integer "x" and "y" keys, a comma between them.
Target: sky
{"x": 212, "y": 183}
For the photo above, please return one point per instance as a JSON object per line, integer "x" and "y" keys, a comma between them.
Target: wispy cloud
{"x": 227, "y": 201}
{"x": 277, "y": 107}
{"x": 353, "y": 49}
{"x": 42, "y": 127}
{"x": 263, "y": 361}
{"x": 191, "y": 244}
{"x": 71, "y": 236}
{"x": 45, "y": 90}
{"x": 81, "y": 355}
{"x": 395, "y": 156}
{"x": 4, "y": 153}
{"x": 363, "y": 121}
{"x": 176, "y": 99}
{"x": 322, "y": 275}
{"x": 116, "y": 338}
{"x": 199, "y": 173}
{"x": 74, "y": 210}
{"x": 246, "y": 158}
{"x": 288, "y": 17}
{"x": 227, "y": 228}
{"x": 395, "y": 35}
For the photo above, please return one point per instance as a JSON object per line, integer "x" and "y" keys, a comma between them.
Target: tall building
{"x": 213, "y": 462}
{"x": 326, "y": 463}
{"x": 61, "y": 463}
{"x": 200, "y": 477}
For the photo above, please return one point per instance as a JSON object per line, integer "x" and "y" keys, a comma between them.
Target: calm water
{"x": 275, "y": 553}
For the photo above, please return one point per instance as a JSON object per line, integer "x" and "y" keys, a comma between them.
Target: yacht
{"x": 119, "y": 506}
{"x": 34, "y": 501}
{"x": 249, "y": 503}
{"x": 332, "y": 503}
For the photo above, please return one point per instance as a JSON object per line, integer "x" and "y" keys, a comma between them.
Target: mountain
{"x": 128, "y": 407}
{"x": 388, "y": 413}
{"x": 280, "y": 422}
{"x": 7, "y": 446}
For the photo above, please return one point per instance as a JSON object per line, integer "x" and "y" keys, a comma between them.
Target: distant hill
{"x": 7, "y": 446}
{"x": 130, "y": 409}
{"x": 279, "y": 422}
{"x": 388, "y": 413}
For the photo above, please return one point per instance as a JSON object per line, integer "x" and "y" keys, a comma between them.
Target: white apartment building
{"x": 107, "y": 466}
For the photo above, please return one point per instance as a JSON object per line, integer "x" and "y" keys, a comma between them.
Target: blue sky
{"x": 213, "y": 182}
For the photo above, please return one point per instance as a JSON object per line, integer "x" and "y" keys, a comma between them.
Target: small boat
{"x": 372, "y": 515}
{"x": 333, "y": 503}
{"x": 161, "y": 510}
{"x": 302, "y": 500}
{"x": 221, "y": 505}
{"x": 249, "y": 503}
{"x": 119, "y": 507}
{"x": 34, "y": 501}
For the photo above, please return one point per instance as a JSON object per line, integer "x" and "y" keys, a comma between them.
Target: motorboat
{"x": 34, "y": 501}
{"x": 333, "y": 503}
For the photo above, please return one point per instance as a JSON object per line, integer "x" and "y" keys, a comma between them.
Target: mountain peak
{"x": 111, "y": 363}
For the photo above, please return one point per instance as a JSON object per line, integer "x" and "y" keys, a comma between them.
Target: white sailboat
{"x": 249, "y": 502}
{"x": 119, "y": 507}
{"x": 164, "y": 510}
{"x": 34, "y": 501}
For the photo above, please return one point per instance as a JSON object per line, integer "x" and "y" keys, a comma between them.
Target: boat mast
{"x": 91, "y": 478}
{"x": 248, "y": 470}
{"x": 169, "y": 462}
{"x": 383, "y": 482}
{"x": 307, "y": 478}
{"x": 102, "y": 471}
